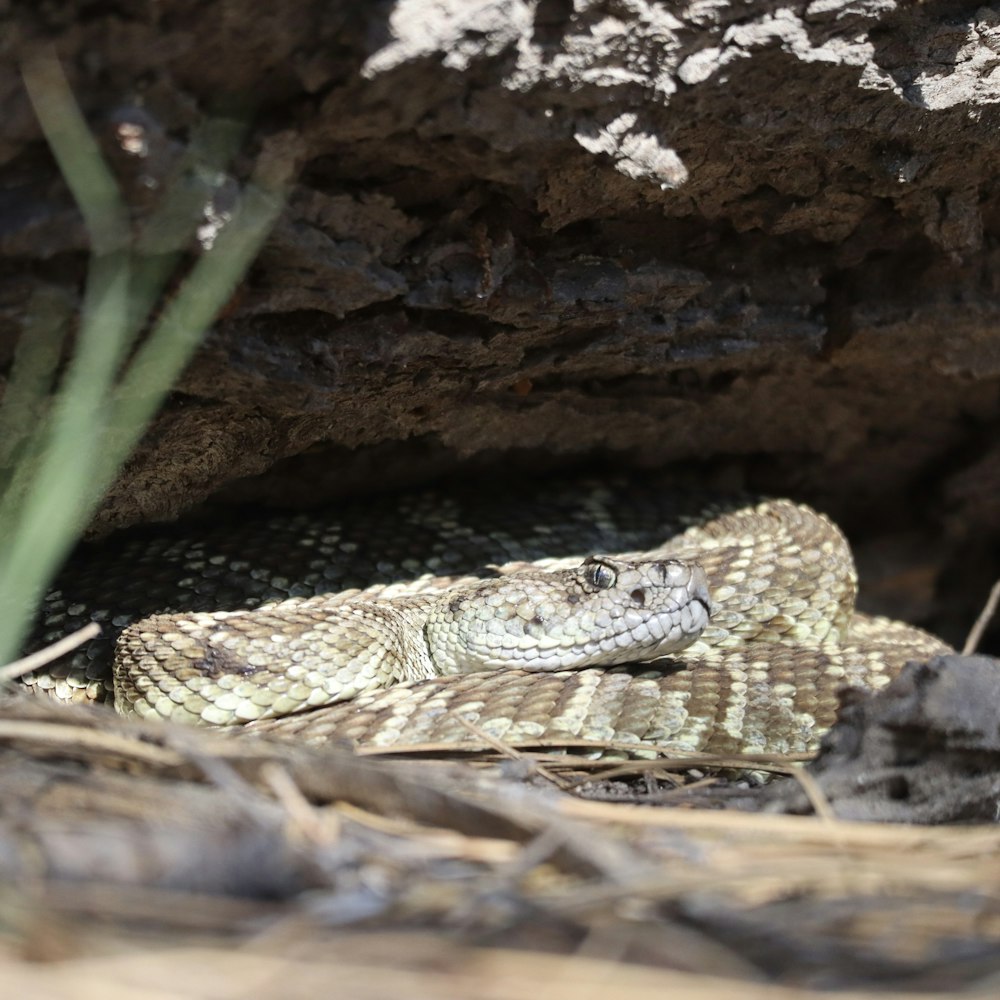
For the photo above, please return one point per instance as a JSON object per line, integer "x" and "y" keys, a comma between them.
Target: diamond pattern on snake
{"x": 613, "y": 610}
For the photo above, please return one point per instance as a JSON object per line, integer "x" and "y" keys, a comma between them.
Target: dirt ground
{"x": 142, "y": 861}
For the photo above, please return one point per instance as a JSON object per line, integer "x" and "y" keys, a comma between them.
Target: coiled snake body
{"x": 405, "y": 617}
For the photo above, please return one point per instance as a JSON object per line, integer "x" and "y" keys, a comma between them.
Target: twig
{"x": 17, "y": 668}
{"x": 977, "y": 630}
{"x": 819, "y": 801}
{"x": 510, "y": 752}
{"x": 305, "y": 818}
{"x": 735, "y": 762}
{"x": 79, "y": 743}
{"x": 671, "y": 757}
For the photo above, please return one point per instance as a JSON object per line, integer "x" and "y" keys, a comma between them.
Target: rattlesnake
{"x": 376, "y": 594}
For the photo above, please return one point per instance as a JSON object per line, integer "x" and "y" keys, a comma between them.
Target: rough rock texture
{"x": 924, "y": 750}
{"x": 558, "y": 231}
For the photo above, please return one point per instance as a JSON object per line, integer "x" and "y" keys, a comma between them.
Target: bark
{"x": 753, "y": 236}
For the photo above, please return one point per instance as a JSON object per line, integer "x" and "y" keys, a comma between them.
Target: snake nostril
{"x": 639, "y": 596}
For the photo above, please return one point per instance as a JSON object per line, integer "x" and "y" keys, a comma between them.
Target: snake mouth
{"x": 700, "y": 594}
{"x": 642, "y": 637}
{"x": 679, "y": 627}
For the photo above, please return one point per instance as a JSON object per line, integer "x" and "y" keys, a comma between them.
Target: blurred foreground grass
{"x": 66, "y": 426}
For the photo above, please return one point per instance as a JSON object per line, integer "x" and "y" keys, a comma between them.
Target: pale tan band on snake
{"x": 783, "y": 635}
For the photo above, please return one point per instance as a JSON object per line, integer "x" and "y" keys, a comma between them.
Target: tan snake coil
{"x": 783, "y": 637}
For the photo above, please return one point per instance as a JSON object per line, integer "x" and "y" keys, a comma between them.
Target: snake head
{"x": 604, "y": 612}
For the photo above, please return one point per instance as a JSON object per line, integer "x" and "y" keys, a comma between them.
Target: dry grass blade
{"x": 56, "y": 473}
{"x": 52, "y": 652}
{"x": 508, "y": 752}
{"x": 667, "y": 756}
{"x": 819, "y": 802}
{"x": 77, "y": 742}
{"x": 981, "y": 623}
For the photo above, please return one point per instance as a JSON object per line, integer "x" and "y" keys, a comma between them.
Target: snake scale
{"x": 567, "y": 610}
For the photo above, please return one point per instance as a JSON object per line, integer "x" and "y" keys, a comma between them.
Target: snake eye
{"x": 600, "y": 575}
